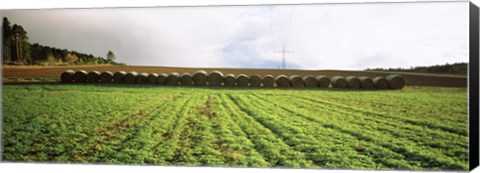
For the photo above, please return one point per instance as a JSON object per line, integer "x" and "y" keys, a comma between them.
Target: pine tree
{"x": 7, "y": 39}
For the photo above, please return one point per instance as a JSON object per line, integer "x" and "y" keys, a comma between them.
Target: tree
{"x": 71, "y": 58}
{"x": 21, "y": 43}
{"x": 7, "y": 38}
{"x": 110, "y": 57}
{"x": 50, "y": 58}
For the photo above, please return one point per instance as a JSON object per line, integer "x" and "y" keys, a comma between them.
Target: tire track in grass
{"x": 58, "y": 132}
{"x": 411, "y": 132}
{"x": 430, "y": 104}
{"x": 330, "y": 140}
{"x": 119, "y": 130}
{"x": 458, "y": 151}
{"x": 137, "y": 148}
{"x": 391, "y": 122}
{"x": 164, "y": 149}
{"x": 298, "y": 137}
{"x": 394, "y": 117}
{"x": 167, "y": 151}
{"x": 197, "y": 144}
{"x": 422, "y": 157}
{"x": 235, "y": 148}
{"x": 425, "y": 155}
{"x": 445, "y": 123}
{"x": 272, "y": 148}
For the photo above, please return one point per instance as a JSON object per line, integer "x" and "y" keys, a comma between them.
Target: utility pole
{"x": 283, "y": 51}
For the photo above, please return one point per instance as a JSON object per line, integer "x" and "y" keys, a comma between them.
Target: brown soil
{"x": 419, "y": 79}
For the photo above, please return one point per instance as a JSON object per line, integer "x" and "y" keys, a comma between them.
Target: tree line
{"x": 18, "y": 51}
{"x": 456, "y": 68}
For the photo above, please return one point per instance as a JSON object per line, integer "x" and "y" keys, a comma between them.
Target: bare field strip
{"x": 418, "y": 79}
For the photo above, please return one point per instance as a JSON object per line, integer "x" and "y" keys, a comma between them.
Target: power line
{"x": 283, "y": 51}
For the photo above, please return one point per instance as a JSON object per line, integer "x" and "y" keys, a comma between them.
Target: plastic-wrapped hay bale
{"x": 67, "y": 76}
{"x": 173, "y": 78}
{"x": 323, "y": 81}
{"x": 118, "y": 77}
{"x": 296, "y": 81}
{"x": 282, "y": 81}
{"x": 106, "y": 77}
{"x": 200, "y": 77}
{"x": 242, "y": 80}
{"x": 186, "y": 79}
{"x": 310, "y": 81}
{"x": 255, "y": 80}
{"x": 130, "y": 77}
{"x": 215, "y": 78}
{"x": 396, "y": 82}
{"x": 142, "y": 78}
{"x": 353, "y": 82}
{"x": 93, "y": 77}
{"x": 80, "y": 76}
{"x": 152, "y": 78}
{"x": 268, "y": 81}
{"x": 339, "y": 82}
{"x": 229, "y": 80}
{"x": 367, "y": 83}
{"x": 162, "y": 79}
{"x": 380, "y": 83}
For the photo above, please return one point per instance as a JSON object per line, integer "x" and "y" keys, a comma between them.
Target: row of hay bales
{"x": 216, "y": 78}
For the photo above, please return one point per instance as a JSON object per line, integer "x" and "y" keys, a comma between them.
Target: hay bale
{"x": 152, "y": 78}
{"x": 380, "y": 83}
{"x": 255, "y": 80}
{"x": 215, "y": 78}
{"x": 186, "y": 79}
{"x": 118, "y": 77}
{"x": 93, "y": 77}
{"x": 242, "y": 80}
{"x": 142, "y": 78}
{"x": 268, "y": 81}
{"x": 130, "y": 77}
{"x": 106, "y": 77}
{"x": 367, "y": 83}
{"x": 296, "y": 81}
{"x": 396, "y": 82}
{"x": 173, "y": 78}
{"x": 200, "y": 77}
{"x": 353, "y": 82}
{"x": 310, "y": 81}
{"x": 80, "y": 76}
{"x": 67, "y": 76}
{"x": 282, "y": 81}
{"x": 323, "y": 81}
{"x": 229, "y": 80}
{"x": 338, "y": 82}
{"x": 162, "y": 79}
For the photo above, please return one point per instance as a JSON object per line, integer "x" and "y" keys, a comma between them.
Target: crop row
{"x": 433, "y": 147}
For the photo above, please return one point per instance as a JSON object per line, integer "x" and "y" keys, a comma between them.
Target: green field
{"x": 420, "y": 128}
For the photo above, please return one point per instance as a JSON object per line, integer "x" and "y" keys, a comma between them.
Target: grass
{"x": 417, "y": 128}
{"x": 28, "y": 79}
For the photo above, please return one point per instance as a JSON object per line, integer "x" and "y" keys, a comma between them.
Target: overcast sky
{"x": 323, "y": 36}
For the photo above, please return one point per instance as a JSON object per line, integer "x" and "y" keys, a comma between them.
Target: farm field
{"x": 25, "y": 74}
{"x": 416, "y": 128}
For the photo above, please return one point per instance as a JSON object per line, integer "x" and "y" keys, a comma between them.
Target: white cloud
{"x": 331, "y": 36}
